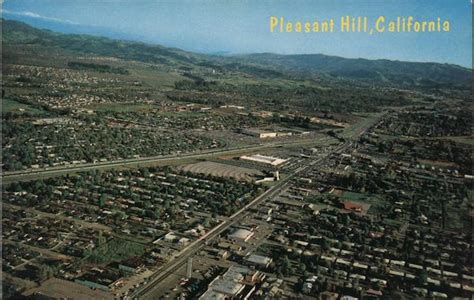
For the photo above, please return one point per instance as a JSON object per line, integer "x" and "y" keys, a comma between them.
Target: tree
{"x": 324, "y": 244}
{"x": 120, "y": 215}
{"x": 45, "y": 272}
{"x": 102, "y": 201}
{"x": 302, "y": 268}
{"x": 101, "y": 240}
{"x": 286, "y": 266}
{"x": 422, "y": 278}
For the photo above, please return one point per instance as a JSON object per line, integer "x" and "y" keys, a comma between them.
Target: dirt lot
{"x": 59, "y": 288}
{"x": 221, "y": 170}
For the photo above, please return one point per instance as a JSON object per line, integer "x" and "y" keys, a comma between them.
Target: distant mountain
{"x": 376, "y": 71}
{"x": 67, "y": 27}
{"x": 380, "y": 72}
{"x": 15, "y": 32}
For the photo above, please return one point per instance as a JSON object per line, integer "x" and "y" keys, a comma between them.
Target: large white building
{"x": 259, "y": 133}
{"x": 258, "y": 260}
{"x": 240, "y": 235}
{"x": 229, "y": 285}
{"x": 269, "y": 160}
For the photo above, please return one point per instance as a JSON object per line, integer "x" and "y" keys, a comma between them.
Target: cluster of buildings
{"x": 264, "y": 134}
{"x": 76, "y": 221}
{"x": 362, "y": 226}
{"x": 63, "y": 141}
{"x": 63, "y": 88}
{"x": 237, "y": 282}
{"x": 428, "y": 123}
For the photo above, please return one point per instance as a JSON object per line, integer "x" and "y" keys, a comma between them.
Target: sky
{"x": 242, "y": 26}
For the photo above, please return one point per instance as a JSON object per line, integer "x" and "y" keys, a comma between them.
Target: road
{"x": 31, "y": 174}
{"x": 150, "y": 290}
{"x": 134, "y": 162}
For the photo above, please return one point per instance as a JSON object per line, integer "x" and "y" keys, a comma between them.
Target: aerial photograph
{"x": 237, "y": 149}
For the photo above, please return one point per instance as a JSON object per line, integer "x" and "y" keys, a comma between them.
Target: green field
{"x": 155, "y": 79}
{"x": 352, "y": 196}
{"x": 13, "y": 106}
{"x": 114, "y": 249}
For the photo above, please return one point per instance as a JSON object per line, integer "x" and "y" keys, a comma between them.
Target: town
{"x": 132, "y": 177}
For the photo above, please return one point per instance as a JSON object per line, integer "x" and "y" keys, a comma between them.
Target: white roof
{"x": 212, "y": 295}
{"x": 348, "y": 298}
{"x": 226, "y": 286}
{"x": 264, "y": 159}
{"x": 242, "y": 234}
{"x": 259, "y": 259}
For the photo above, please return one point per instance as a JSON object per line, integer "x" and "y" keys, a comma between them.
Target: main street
{"x": 150, "y": 290}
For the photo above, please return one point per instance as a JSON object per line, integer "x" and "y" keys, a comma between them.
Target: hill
{"x": 398, "y": 73}
{"x": 380, "y": 72}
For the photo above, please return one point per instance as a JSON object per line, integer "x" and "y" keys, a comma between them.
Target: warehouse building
{"x": 269, "y": 160}
{"x": 240, "y": 235}
{"x": 259, "y": 133}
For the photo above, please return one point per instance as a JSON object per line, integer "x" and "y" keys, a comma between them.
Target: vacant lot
{"x": 59, "y": 288}
{"x": 10, "y": 105}
{"x": 221, "y": 170}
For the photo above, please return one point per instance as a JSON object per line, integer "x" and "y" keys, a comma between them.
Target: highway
{"x": 31, "y": 174}
{"x": 149, "y": 291}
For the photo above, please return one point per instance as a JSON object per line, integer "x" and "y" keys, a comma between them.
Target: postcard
{"x": 237, "y": 149}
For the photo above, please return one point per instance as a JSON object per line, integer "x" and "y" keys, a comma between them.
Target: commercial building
{"x": 259, "y": 133}
{"x": 268, "y": 160}
{"x": 100, "y": 279}
{"x": 258, "y": 260}
{"x": 237, "y": 282}
{"x": 240, "y": 235}
{"x": 132, "y": 265}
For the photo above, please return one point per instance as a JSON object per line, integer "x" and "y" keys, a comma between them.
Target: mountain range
{"x": 380, "y": 72}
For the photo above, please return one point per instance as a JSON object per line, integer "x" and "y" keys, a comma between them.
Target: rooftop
{"x": 240, "y": 234}
{"x": 259, "y": 259}
{"x": 275, "y": 161}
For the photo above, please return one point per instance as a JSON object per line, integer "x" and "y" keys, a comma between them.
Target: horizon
{"x": 235, "y": 36}
{"x": 227, "y": 54}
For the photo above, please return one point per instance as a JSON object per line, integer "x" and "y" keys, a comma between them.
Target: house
{"x": 348, "y": 205}
{"x": 170, "y": 237}
{"x": 328, "y": 296}
{"x": 374, "y": 293}
{"x": 183, "y": 241}
{"x": 229, "y": 246}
